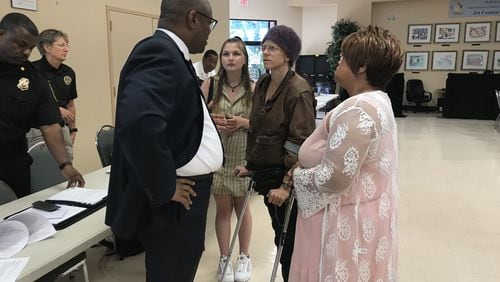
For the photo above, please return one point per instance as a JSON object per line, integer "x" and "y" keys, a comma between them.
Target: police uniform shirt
{"x": 62, "y": 80}
{"x": 25, "y": 102}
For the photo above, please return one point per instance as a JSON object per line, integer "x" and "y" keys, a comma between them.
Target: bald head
{"x": 190, "y": 20}
{"x": 173, "y": 11}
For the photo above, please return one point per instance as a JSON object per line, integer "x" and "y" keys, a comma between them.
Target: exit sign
{"x": 244, "y": 3}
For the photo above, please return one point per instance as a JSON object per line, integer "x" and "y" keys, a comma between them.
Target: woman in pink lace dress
{"x": 346, "y": 180}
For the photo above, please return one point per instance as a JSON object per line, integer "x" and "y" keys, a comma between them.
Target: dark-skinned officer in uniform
{"x": 26, "y": 102}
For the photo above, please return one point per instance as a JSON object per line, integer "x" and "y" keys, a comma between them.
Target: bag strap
{"x": 292, "y": 147}
{"x": 211, "y": 89}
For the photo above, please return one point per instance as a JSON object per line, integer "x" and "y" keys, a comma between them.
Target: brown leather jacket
{"x": 288, "y": 116}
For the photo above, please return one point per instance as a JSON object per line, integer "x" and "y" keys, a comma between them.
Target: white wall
{"x": 312, "y": 22}
{"x": 356, "y": 10}
{"x": 396, "y": 16}
{"x": 268, "y": 10}
{"x": 316, "y": 28}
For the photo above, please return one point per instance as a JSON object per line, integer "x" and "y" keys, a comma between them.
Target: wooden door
{"x": 125, "y": 29}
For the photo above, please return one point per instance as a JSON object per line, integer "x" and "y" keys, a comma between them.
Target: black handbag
{"x": 267, "y": 179}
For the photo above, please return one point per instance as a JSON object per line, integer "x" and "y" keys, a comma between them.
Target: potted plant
{"x": 340, "y": 30}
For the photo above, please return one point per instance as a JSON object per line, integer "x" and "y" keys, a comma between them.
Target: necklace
{"x": 234, "y": 87}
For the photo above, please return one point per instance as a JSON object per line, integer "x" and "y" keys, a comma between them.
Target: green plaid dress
{"x": 225, "y": 183}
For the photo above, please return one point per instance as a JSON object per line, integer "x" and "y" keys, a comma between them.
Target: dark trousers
{"x": 15, "y": 171}
{"x": 175, "y": 237}
{"x": 278, "y": 219}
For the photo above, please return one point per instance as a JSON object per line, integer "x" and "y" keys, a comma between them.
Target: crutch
{"x": 238, "y": 224}
{"x": 291, "y": 199}
{"x": 293, "y": 148}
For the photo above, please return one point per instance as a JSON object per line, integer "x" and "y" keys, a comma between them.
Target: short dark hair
{"x": 376, "y": 49}
{"x": 12, "y": 21}
{"x": 210, "y": 52}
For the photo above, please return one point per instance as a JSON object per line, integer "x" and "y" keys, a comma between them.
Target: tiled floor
{"x": 449, "y": 210}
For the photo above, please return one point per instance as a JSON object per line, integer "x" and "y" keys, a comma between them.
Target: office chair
{"x": 497, "y": 121}
{"x": 104, "y": 143}
{"x": 68, "y": 269}
{"x": 415, "y": 93}
{"x": 6, "y": 193}
{"x": 123, "y": 248}
{"x": 45, "y": 173}
{"x": 45, "y": 170}
{"x": 34, "y": 136}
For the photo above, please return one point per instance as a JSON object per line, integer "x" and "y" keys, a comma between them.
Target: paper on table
{"x": 11, "y": 268}
{"x": 13, "y": 237}
{"x": 59, "y": 213}
{"x": 65, "y": 211}
{"x": 38, "y": 226}
{"x": 80, "y": 195}
{"x": 71, "y": 211}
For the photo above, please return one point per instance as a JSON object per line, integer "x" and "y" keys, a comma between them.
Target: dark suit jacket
{"x": 159, "y": 124}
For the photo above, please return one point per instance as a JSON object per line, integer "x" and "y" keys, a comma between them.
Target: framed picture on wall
{"x": 417, "y": 60}
{"x": 420, "y": 33}
{"x": 24, "y": 4}
{"x": 497, "y": 37}
{"x": 496, "y": 60}
{"x": 447, "y": 33}
{"x": 444, "y": 60}
{"x": 477, "y": 32}
{"x": 474, "y": 59}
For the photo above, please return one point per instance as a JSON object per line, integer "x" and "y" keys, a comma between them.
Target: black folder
{"x": 89, "y": 209}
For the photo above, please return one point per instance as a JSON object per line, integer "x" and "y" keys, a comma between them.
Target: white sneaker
{"x": 243, "y": 269}
{"x": 229, "y": 275}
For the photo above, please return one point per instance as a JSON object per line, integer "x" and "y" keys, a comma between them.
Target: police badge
{"x": 67, "y": 79}
{"x": 23, "y": 84}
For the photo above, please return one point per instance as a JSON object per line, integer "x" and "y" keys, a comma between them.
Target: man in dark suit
{"x": 166, "y": 146}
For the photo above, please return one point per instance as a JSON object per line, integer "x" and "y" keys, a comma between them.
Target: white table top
{"x": 323, "y": 99}
{"x": 48, "y": 254}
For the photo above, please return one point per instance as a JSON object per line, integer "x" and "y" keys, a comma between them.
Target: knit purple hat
{"x": 287, "y": 39}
